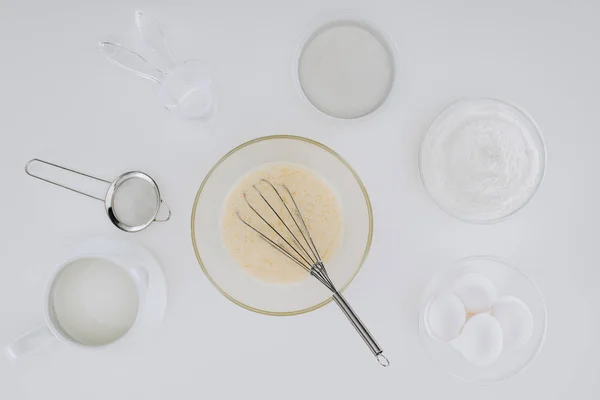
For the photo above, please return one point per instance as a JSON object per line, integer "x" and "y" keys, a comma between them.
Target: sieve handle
{"x": 360, "y": 328}
{"x": 35, "y": 161}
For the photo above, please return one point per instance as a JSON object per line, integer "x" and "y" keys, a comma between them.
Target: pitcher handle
{"x": 29, "y": 341}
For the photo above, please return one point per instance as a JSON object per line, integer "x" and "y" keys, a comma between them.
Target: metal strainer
{"x": 132, "y": 201}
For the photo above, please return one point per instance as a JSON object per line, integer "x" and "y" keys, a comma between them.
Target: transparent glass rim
{"x": 235, "y": 150}
{"x": 536, "y": 133}
{"x": 423, "y": 325}
{"x": 379, "y": 32}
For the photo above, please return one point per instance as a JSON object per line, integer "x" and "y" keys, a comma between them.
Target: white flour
{"x": 481, "y": 163}
{"x": 135, "y": 202}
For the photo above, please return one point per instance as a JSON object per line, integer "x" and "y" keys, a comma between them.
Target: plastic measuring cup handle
{"x": 154, "y": 38}
{"x": 29, "y": 341}
{"x": 131, "y": 60}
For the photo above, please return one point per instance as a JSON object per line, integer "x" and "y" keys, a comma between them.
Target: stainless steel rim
{"x": 109, "y": 201}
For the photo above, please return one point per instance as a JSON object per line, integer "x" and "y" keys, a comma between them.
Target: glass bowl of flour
{"x": 482, "y": 160}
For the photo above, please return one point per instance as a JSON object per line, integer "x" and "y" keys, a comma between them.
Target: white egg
{"x": 515, "y": 319}
{"x": 477, "y": 292}
{"x": 445, "y": 317}
{"x": 480, "y": 341}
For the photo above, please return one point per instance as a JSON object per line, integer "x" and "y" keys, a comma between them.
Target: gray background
{"x": 62, "y": 101}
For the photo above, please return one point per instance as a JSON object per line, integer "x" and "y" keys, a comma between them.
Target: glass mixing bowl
{"x": 484, "y": 113}
{"x": 508, "y": 281}
{"x": 239, "y": 286}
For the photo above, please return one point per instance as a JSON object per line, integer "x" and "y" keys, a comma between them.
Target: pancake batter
{"x": 317, "y": 203}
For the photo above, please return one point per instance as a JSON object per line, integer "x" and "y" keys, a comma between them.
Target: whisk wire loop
{"x": 293, "y": 239}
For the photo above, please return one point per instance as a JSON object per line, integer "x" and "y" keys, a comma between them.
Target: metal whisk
{"x": 295, "y": 242}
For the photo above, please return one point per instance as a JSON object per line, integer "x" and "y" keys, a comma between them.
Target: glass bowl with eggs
{"x": 248, "y": 270}
{"x": 482, "y": 320}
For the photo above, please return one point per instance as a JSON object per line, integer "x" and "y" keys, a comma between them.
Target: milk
{"x": 94, "y": 301}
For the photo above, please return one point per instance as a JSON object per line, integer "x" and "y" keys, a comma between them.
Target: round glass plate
{"x": 239, "y": 286}
{"x": 346, "y": 67}
{"x": 490, "y": 181}
{"x": 508, "y": 281}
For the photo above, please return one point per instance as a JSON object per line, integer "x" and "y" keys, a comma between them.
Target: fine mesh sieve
{"x": 132, "y": 201}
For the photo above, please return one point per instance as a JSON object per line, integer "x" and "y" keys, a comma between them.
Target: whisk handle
{"x": 360, "y": 328}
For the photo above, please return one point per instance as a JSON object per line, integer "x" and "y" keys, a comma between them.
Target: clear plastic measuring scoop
{"x": 183, "y": 88}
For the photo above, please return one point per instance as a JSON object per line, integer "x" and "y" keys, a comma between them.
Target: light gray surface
{"x": 62, "y": 101}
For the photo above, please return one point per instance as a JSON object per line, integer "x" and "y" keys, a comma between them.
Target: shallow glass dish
{"x": 330, "y": 93}
{"x": 464, "y": 113}
{"x": 238, "y": 285}
{"x": 509, "y": 281}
